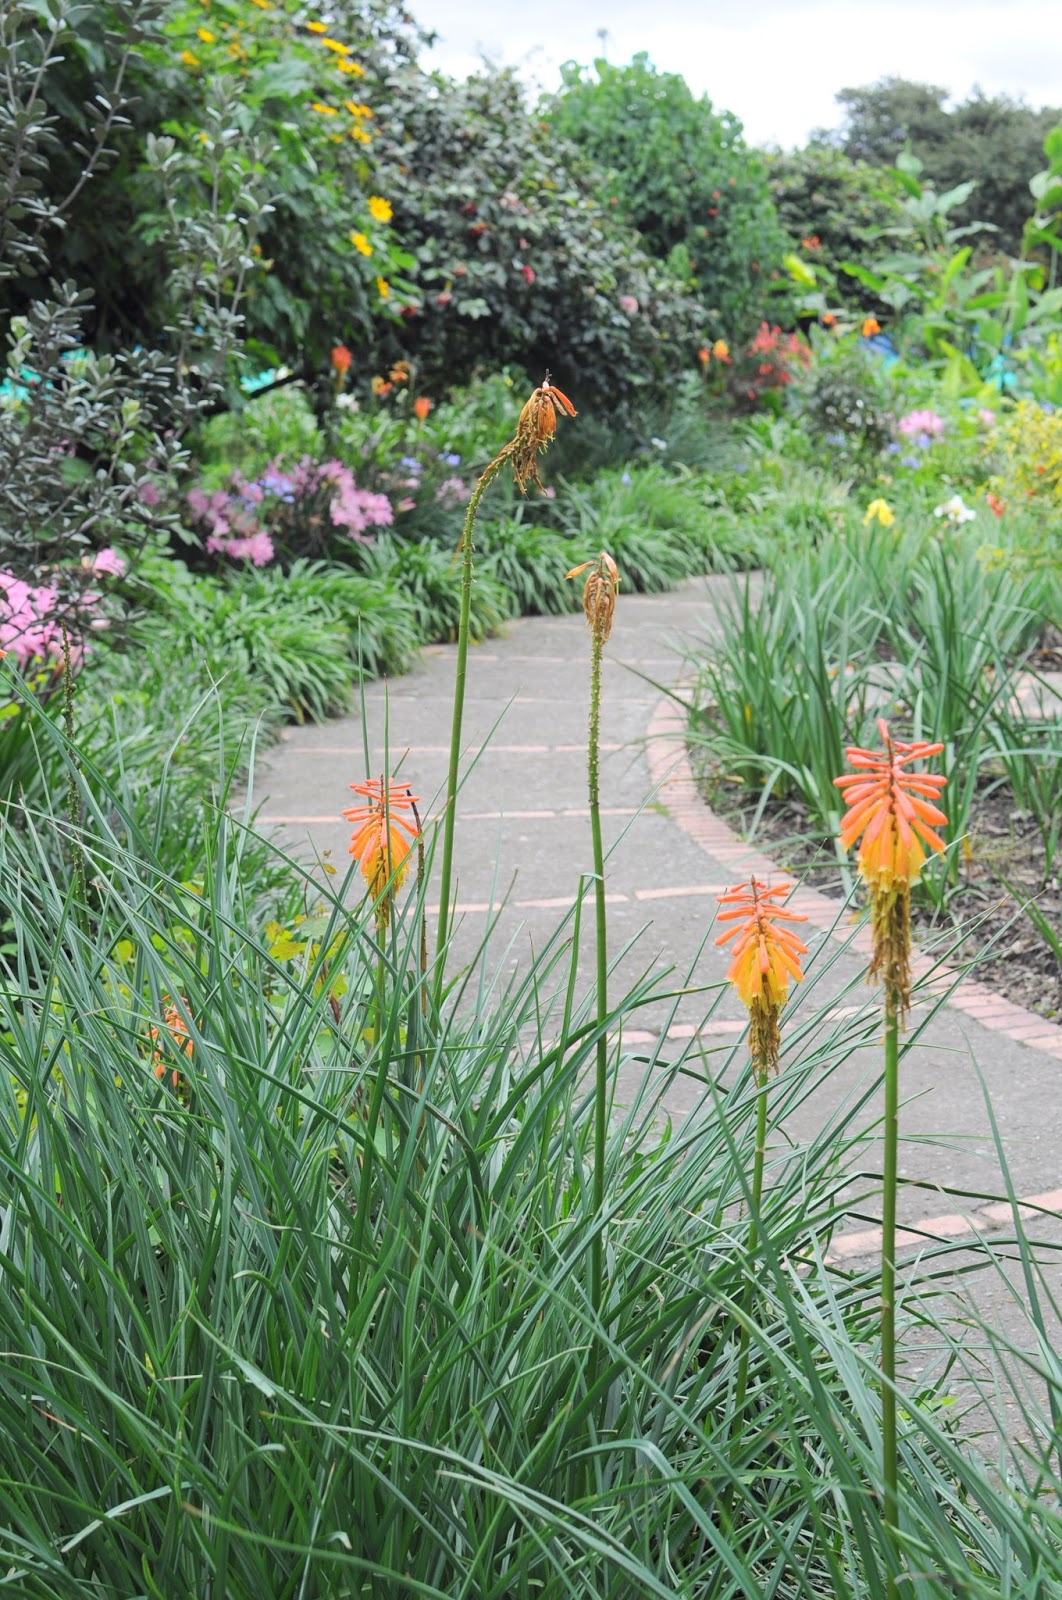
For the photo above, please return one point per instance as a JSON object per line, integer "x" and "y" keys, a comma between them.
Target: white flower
{"x": 955, "y": 510}
{"x": 661, "y": 444}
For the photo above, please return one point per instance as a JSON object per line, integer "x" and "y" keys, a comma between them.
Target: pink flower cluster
{"x": 28, "y": 625}
{"x": 238, "y": 520}
{"x": 919, "y": 422}
{"x": 453, "y": 492}
{"x": 352, "y": 509}
{"x": 231, "y": 522}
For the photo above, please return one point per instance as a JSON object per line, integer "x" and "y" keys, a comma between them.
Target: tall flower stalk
{"x": 893, "y": 812}
{"x": 381, "y": 845}
{"x": 763, "y": 961}
{"x": 599, "y": 607}
{"x": 536, "y": 426}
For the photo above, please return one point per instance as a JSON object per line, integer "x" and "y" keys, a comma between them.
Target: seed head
{"x": 599, "y": 594}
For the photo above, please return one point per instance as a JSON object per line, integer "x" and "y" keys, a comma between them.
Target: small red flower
{"x": 528, "y": 274}
{"x": 341, "y": 359}
{"x": 421, "y": 407}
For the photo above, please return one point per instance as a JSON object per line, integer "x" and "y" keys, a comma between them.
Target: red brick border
{"x": 672, "y": 777}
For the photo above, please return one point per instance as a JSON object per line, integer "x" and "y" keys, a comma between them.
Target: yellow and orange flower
{"x": 721, "y": 351}
{"x": 421, "y": 407}
{"x": 891, "y": 809}
{"x": 174, "y": 1026}
{"x": 870, "y": 327}
{"x": 893, "y": 814}
{"x": 378, "y": 843}
{"x": 764, "y": 960}
{"x": 341, "y": 360}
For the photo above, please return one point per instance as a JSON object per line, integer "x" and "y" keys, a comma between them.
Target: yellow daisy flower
{"x": 361, "y": 244}
{"x": 380, "y": 208}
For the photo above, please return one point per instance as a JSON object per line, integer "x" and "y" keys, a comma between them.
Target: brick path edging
{"x": 673, "y": 781}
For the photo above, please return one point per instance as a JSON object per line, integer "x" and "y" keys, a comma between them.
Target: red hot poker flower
{"x": 765, "y": 958}
{"x": 174, "y": 1026}
{"x": 891, "y": 809}
{"x": 377, "y": 842}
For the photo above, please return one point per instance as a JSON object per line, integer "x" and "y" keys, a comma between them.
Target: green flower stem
{"x": 597, "y": 1247}
{"x": 754, "y": 1237}
{"x": 73, "y": 788}
{"x": 466, "y": 548}
{"x": 889, "y": 1449}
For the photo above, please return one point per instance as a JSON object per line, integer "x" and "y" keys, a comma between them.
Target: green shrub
{"x": 516, "y": 258}
{"x": 683, "y": 178}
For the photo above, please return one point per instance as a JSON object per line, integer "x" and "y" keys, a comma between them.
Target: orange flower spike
{"x": 891, "y": 809}
{"x": 765, "y": 958}
{"x": 377, "y": 843}
{"x": 174, "y": 1025}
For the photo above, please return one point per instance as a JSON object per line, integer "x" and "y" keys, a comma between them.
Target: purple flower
{"x": 451, "y": 460}
{"x": 910, "y": 461}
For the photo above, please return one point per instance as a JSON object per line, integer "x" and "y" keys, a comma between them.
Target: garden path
{"x": 523, "y": 838}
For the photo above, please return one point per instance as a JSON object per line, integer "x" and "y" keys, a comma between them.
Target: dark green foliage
{"x": 832, "y": 208}
{"x": 517, "y": 259}
{"x": 680, "y": 173}
{"x": 428, "y": 577}
{"x": 991, "y": 137}
{"x": 531, "y": 562}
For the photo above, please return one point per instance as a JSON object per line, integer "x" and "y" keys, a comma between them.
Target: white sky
{"x": 776, "y": 63}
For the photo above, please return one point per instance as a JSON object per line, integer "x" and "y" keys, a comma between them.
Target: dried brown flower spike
{"x": 599, "y": 594}
{"x": 536, "y": 427}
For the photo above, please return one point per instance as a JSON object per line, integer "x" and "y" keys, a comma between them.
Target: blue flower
{"x": 451, "y": 460}
{"x": 411, "y": 463}
{"x": 910, "y": 461}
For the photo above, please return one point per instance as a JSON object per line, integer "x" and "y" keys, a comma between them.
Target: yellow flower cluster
{"x": 361, "y": 244}
{"x": 380, "y": 208}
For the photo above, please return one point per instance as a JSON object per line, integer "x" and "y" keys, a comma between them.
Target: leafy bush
{"x": 992, "y": 136}
{"x": 834, "y": 210}
{"x": 843, "y": 401}
{"x": 681, "y": 175}
{"x": 516, "y": 257}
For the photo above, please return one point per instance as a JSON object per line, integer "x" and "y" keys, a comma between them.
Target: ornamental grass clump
{"x": 535, "y": 429}
{"x": 892, "y": 812}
